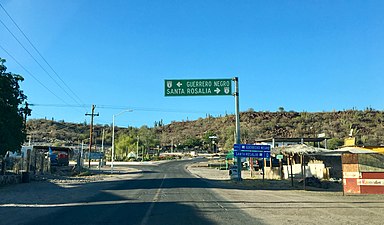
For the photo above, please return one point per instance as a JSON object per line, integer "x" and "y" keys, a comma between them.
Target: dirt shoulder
{"x": 277, "y": 202}
{"x": 220, "y": 176}
{"x": 54, "y": 189}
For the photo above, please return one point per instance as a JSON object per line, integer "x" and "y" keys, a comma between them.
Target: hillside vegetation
{"x": 368, "y": 127}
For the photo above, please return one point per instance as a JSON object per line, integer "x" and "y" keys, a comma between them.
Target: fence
{"x": 19, "y": 168}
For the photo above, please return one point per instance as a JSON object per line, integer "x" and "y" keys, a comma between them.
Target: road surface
{"x": 168, "y": 194}
{"x": 163, "y": 194}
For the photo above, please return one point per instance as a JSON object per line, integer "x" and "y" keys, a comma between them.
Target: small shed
{"x": 363, "y": 171}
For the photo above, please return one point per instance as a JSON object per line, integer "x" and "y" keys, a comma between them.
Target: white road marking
{"x": 64, "y": 204}
{"x": 155, "y": 199}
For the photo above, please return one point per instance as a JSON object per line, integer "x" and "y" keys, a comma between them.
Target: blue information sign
{"x": 96, "y": 155}
{"x": 251, "y": 147}
{"x": 252, "y": 151}
{"x": 249, "y": 154}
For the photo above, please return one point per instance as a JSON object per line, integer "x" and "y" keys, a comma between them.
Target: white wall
{"x": 312, "y": 169}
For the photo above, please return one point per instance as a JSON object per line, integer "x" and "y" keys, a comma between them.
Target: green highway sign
{"x": 201, "y": 87}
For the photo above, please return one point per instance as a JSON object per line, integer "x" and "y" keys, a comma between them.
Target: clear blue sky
{"x": 301, "y": 55}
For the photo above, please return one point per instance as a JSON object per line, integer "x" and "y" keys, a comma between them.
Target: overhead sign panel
{"x": 210, "y": 87}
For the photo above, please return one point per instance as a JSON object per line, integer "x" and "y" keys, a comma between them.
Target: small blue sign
{"x": 96, "y": 155}
{"x": 243, "y": 147}
{"x": 252, "y": 151}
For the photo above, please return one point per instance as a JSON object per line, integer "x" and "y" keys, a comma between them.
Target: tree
{"x": 124, "y": 145}
{"x": 148, "y": 137}
{"x": 334, "y": 143}
{"x": 192, "y": 142}
{"x": 12, "y": 115}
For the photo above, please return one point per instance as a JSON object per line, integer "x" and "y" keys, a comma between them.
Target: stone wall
{"x": 9, "y": 179}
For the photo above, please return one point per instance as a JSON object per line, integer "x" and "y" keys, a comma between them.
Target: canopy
{"x": 354, "y": 150}
{"x": 300, "y": 149}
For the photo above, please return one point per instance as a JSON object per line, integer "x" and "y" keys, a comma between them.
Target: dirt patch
{"x": 53, "y": 189}
{"x": 256, "y": 182}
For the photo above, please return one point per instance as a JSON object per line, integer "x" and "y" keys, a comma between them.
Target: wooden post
{"x": 305, "y": 175}
{"x": 28, "y": 160}
{"x": 90, "y": 134}
{"x": 280, "y": 169}
{"x": 264, "y": 166}
{"x": 291, "y": 157}
{"x": 288, "y": 164}
{"x": 35, "y": 162}
{"x": 251, "y": 166}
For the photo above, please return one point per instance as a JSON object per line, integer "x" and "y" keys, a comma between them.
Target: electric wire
{"x": 37, "y": 62}
{"x": 143, "y": 109}
{"x": 38, "y": 52}
{"x": 33, "y": 76}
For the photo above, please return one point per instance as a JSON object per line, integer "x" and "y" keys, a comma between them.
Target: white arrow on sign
{"x": 179, "y": 84}
{"x": 217, "y": 90}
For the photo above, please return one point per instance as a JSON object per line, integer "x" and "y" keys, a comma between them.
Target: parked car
{"x": 59, "y": 158}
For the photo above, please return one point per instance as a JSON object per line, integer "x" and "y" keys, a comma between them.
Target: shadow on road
{"x": 126, "y": 213}
{"x": 206, "y": 183}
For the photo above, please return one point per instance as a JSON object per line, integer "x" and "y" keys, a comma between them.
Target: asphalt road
{"x": 169, "y": 194}
{"x": 164, "y": 194}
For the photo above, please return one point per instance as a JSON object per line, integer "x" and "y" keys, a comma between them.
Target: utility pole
{"x": 137, "y": 147}
{"x": 102, "y": 150}
{"x": 27, "y": 112}
{"x": 91, "y": 133}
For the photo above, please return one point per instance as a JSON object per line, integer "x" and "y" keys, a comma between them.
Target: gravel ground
{"x": 60, "y": 189}
{"x": 256, "y": 182}
{"x": 276, "y": 202}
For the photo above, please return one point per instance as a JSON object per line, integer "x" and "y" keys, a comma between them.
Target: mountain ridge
{"x": 367, "y": 126}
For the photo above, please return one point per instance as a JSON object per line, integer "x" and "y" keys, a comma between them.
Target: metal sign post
{"x": 237, "y": 115}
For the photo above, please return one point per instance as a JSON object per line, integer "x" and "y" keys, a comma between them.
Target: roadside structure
{"x": 291, "y": 154}
{"x": 363, "y": 170}
{"x": 302, "y": 162}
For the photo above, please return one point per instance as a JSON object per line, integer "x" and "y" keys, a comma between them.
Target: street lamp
{"x": 113, "y": 135}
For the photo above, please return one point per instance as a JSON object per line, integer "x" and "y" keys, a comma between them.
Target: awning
{"x": 300, "y": 149}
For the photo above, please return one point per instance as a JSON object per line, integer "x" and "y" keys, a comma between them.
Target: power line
{"x": 42, "y": 84}
{"x": 34, "y": 59}
{"x": 13, "y": 35}
{"x": 60, "y": 105}
{"x": 38, "y": 52}
{"x": 143, "y": 109}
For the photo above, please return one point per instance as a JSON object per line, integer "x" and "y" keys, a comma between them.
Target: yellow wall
{"x": 379, "y": 149}
{"x": 350, "y": 142}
